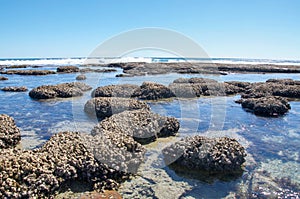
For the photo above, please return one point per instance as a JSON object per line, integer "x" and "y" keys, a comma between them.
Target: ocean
{"x": 272, "y": 144}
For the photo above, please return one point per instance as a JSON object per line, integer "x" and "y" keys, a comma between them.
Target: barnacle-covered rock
{"x": 15, "y": 89}
{"x": 41, "y": 172}
{"x": 122, "y": 90}
{"x": 213, "y": 155}
{"x": 153, "y": 91}
{"x": 143, "y": 125}
{"x": 64, "y": 90}
{"x": 28, "y": 72}
{"x": 267, "y": 106}
{"x": 81, "y": 77}
{"x": 106, "y": 106}
{"x": 67, "y": 69}
{"x": 9, "y": 132}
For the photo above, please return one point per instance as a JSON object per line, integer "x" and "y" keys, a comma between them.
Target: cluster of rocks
{"x": 121, "y": 90}
{"x": 270, "y": 98}
{"x": 67, "y": 69}
{"x": 27, "y": 72}
{"x": 2, "y": 78}
{"x": 64, "y": 90}
{"x": 209, "y": 154}
{"x": 15, "y": 89}
{"x": 9, "y": 132}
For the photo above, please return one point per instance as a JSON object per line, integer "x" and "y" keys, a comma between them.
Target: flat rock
{"x": 15, "y": 89}
{"x": 106, "y": 106}
{"x": 92, "y": 70}
{"x": 9, "y": 133}
{"x": 122, "y": 90}
{"x": 67, "y": 69}
{"x": 28, "y": 72}
{"x": 143, "y": 125}
{"x": 208, "y": 154}
{"x": 267, "y": 106}
{"x": 64, "y": 90}
{"x": 2, "y": 78}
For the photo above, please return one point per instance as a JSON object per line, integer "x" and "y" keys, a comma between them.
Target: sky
{"x": 267, "y": 29}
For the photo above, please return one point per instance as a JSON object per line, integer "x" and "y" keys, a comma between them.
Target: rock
{"x": 41, "y": 172}
{"x": 284, "y": 81}
{"x": 267, "y": 106}
{"x": 67, "y": 69}
{"x": 194, "y": 80}
{"x": 122, "y": 90}
{"x": 28, "y": 72}
{"x": 9, "y": 133}
{"x": 107, "y": 194}
{"x": 143, "y": 125}
{"x": 90, "y": 70}
{"x": 15, "y": 89}
{"x": 64, "y": 90}
{"x": 106, "y": 106}
{"x": 2, "y": 78}
{"x": 153, "y": 91}
{"x": 81, "y": 77}
{"x": 213, "y": 155}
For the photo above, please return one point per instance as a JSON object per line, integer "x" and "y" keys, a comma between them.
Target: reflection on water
{"x": 273, "y": 144}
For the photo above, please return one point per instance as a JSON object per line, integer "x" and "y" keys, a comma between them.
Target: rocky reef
{"x": 15, "y": 89}
{"x": 122, "y": 90}
{"x": 27, "y": 72}
{"x": 64, "y": 90}
{"x": 142, "y": 125}
{"x": 266, "y": 106}
{"x": 41, "y": 172}
{"x": 67, "y": 69}
{"x": 9, "y": 133}
{"x": 106, "y": 106}
{"x": 209, "y": 154}
{"x": 153, "y": 91}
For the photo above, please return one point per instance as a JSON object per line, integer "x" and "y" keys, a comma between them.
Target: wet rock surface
{"x": 2, "y": 78}
{"x": 41, "y": 172}
{"x": 153, "y": 91}
{"x": 15, "y": 89}
{"x": 141, "y": 68}
{"x": 64, "y": 90}
{"x": 9, "y": 133}
{"x": 67, "y": 69}
{"x": 122, "y": 90}
{"x": 89, "y": 70}
{"x": 143, "y": 125}
{"x": 267, "y": 106}
{"x": 208, "y": 154}
{"x": 106, "y": 106}
{"x": 81, "y": 77}
{"x": 28, "y": 72}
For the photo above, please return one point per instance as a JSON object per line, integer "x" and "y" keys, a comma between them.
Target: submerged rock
{"x": 2, "y": 78}
{"x": 81, "y": 77}
{"x": 153, "y": 91}
{"x": 267, "y": 106}
{"x": 67, "y": 69}
{"x": 143, "y": 125}
{"x": 28, "y": 72}
{"x": 64, "y": 90}
{"x": 106, "y": 106}
{"x": 15, "y": 89}
{"x": 122, "y": 90}
{"x": 209, "y": 154}
{"x": 41, "y": 172}
{"x": 9, "y": 133}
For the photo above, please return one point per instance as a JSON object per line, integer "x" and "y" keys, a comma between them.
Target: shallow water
{"x": 273, "y": 144}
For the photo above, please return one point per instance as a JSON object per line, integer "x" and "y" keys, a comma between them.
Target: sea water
{"x": 272, "y": 144}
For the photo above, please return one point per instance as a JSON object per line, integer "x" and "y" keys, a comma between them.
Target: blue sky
{"x": 231, "y": 28}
